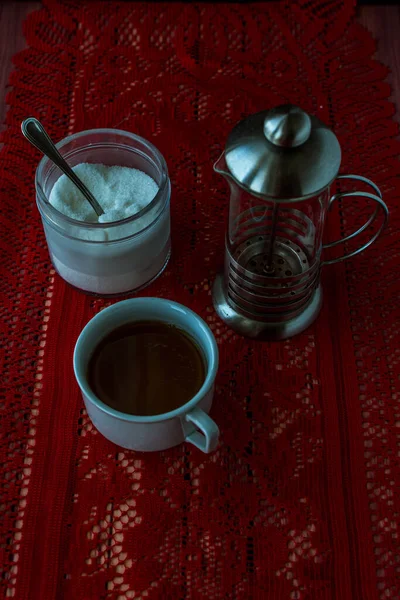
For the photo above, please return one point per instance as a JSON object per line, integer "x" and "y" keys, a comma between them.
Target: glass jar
{"x": 273, "y": 251}
{"x": 108, "y": 258}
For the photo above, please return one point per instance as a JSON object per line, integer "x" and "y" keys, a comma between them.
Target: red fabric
{"x": 301, "y": 500}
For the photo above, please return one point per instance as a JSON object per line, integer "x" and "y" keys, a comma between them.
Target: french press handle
{"x": 381, "y": 206}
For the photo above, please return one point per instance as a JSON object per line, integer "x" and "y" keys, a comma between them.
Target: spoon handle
{"x": 36, "y": 134}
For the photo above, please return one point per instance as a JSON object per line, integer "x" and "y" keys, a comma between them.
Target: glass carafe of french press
{"x": 280, "y": 165}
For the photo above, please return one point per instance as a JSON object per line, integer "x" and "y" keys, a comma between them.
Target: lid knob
{"x": 287, "y": 126}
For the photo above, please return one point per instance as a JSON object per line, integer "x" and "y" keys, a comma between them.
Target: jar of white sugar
{"x": 127, "y": 247}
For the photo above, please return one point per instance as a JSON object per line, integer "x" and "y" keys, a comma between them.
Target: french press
{"x": 280, "y": 165}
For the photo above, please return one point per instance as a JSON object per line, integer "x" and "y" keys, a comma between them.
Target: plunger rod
{"x": 268, "y": 266}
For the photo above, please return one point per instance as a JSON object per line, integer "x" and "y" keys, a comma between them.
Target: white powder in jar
{"x": 122, "y": 261}
{"x": 120, "y": 191}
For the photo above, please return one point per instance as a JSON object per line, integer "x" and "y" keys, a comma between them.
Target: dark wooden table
{"x": 382, "y": 21}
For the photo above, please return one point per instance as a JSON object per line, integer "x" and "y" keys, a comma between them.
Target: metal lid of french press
{"x": 283, "y": 153}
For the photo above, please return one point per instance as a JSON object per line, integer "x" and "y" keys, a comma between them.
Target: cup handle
{"x": 207, "y": 433}
{"x": 377, "y": 197}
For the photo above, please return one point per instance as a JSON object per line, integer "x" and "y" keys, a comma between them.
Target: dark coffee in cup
{"x": 146, "y": 368}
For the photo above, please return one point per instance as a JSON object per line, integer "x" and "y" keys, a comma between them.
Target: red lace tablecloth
{"x": 301, "y": 500}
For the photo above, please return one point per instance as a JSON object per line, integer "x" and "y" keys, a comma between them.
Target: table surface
{"x": 382, "y": 21}
{"x": 384, "y": 24}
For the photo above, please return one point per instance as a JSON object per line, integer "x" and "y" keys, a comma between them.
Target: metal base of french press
{"x": 261, "y": 330}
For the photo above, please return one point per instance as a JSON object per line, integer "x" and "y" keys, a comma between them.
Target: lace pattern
{"x": 300, "y": 501}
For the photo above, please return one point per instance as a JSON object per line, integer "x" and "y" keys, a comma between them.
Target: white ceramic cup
{"x": 189, "y": 422}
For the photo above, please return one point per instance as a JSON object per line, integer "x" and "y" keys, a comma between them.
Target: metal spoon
{"x": 36, "y": 134}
